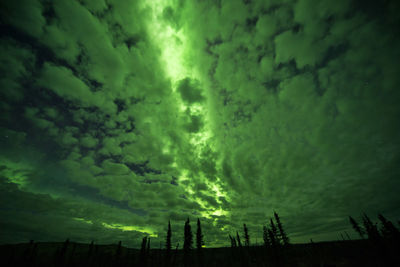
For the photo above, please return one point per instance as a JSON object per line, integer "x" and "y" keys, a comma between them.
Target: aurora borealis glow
{"x": 117, "y": 116}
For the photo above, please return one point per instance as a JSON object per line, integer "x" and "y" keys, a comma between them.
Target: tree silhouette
{"x": 265, "y": 236}
{"x": 238, "y": 239}
{"x": 187, "y": 243}
{"x": 356, "y": 227}
{"x": 60, "y": 254}
{"x": 274, "y": 231}
{"x": 118, "y": 253}
{"x": 175, "y": 254}
{"x": 199, "y": 236}
{"x": 148, "y": 250}
{"x": 371, "y": 228}
{"x": 199, "y": 243}
{"x": 142, "y": 257}
{"x": 388, "y": 230}
{"x": 272, "y": 238}
{"x": 282, "y": 234}
{"x": 168, "y": 245}
{"x": 246, "y": 236}
{"x": 233, "y": 241}
{"x": 348, "y": 237}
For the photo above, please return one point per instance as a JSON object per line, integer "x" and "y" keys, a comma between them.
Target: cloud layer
{"x": 120, "y": 115}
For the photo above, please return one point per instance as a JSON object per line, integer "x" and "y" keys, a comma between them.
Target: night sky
{"x": 117, "y": 116}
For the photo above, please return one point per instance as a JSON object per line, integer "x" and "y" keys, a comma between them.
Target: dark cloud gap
{"x": 141, "y": 168}
{"x": 332, "y": 53}
{"x": 25, "y": 40}
{"x": 133, "y": 41}
{"x": 121, "y": 104}
{"x": 35, "y": 97}
{"x": 48, "y": 12}
{"x": 272, "y": 85}
{"x": 44, "y": 54}
{"x": 251, "y": 23}
{"x": 290, "y": 66}
{"x": 211, "y": 44}
{"x": 296, "y": 28}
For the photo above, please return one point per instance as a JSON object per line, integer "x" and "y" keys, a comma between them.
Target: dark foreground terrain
{"x": 339, "y": 253}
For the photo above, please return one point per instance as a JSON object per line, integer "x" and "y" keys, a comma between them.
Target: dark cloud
{"x": 190, "y": 91}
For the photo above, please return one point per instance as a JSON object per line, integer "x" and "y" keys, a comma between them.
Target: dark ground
{"x": 338, "y": 253}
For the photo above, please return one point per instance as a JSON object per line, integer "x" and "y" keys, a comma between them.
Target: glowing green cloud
{"x": 173, "y": 46}
{"x": 144, "y": 230}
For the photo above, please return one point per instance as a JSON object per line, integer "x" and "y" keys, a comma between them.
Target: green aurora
{"x": 117, "y": 116}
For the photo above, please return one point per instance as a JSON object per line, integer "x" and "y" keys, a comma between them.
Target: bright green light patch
{"x": 198, "y": 139}
{"x": 219, "y": 212}
{"x": 144, "y": 230}
{"x": 170, "y": 42}
{"x": 15, "y": 172}
{"x": 83, "y": 220}
{"x": 173, "y": 46}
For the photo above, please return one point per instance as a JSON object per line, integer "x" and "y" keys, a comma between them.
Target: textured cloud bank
{"x": 120, "y": 115}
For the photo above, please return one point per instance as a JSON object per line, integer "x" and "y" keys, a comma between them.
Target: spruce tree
{"x": 272, "y": 238}
{"x": 371, "y": 228}
{"x": 187, "y": 244}
{"x": 282, "y": 234}
{"x": 199, "y": 243}
{"x": 356, "y": 227}
{"x": 274, "y": 231}
{"x": 142, "y": 257}
{"x": 233, "y": 241}
{"x": 246, "y": 236}
{"x": 199, "y": 236}
{"x": 265, "y": 236}
{"x": 238, "y": 239}
{"x": 119, "y": 250}
{"x": 168, "y": 245}
{"x": 388, "y": 230}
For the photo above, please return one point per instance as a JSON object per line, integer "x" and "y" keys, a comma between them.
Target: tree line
{"x": 379, "y": 244}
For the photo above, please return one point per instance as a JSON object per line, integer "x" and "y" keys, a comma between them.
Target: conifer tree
{"x": 274, "y": 231}
{"x": 199, "y": 243}
{"x": 356, "y": 227}
{"x": 348, "y": 237}
{"x": 91, "y": 246}
{"x": 371, "y": 228}
{"x": 233, "y": 241}
{"x": 199, "y": 236}
{"x": 388, "y": 230}
{"x": 142, "y": 256}
{"x": 118, "y": 251}
{"x": 168, "y": 245}
{"x": 246, "y": 236}
{"x": 282, "y": 234}
{"x": 272, "y": 238}
{"x": 265, "y": 236}
{"x": 188, "y": 237}
{"x": 175, "y": 255}
{"x": 188, "y": 243}
{"x": 238, "y": 239}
